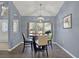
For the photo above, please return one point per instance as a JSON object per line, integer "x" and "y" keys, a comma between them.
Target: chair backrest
{"x": 43, "y": 40}
{"x": 23, "y": 37}
{"x": 50, "y": 36}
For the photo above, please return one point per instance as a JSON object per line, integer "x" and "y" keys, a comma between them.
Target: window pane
{"x": 31, "y": 28}
{"x": 39, "y": 28}
{"x": 47, "y": 27}
{"x": 4, "y": 26}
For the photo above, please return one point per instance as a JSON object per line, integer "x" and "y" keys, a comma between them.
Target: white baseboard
{"x": 65, "y": 50}
{"x": 53, "y": 42}
{"x": 15, "y": 46}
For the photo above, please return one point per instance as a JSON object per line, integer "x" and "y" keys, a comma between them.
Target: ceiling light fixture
{"x": 40, "y": 18}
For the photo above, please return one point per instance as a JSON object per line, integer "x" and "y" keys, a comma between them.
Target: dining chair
{"x": 26, "y": 42}
{"x": 50, "y": 39}
{"x": 40, "y": 45}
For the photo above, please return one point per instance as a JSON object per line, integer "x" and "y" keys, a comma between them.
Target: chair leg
{"x": 51, "y": 45}
{"x": 47, "y": 51}
{"x": 43, "y": 53}
{"x": 38, "y": 54}
{"x": 23, "y": 47}
{"x": 35, "y": 53}
{"x": 31, "y": 46}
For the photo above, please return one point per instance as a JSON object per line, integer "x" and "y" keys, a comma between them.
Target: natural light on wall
{"x": 5, "y": 26}
{"x": 15, "y": 25}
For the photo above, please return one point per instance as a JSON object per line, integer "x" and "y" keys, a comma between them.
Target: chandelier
{"x": 40, "y": 18}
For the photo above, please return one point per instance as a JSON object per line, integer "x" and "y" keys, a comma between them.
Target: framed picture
{"x": 68, "y": 21}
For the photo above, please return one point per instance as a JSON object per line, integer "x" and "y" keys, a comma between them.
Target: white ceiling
{"x": 32, "y": 8}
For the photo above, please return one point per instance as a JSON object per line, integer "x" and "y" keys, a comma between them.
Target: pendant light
{"x": 40, "y": 18}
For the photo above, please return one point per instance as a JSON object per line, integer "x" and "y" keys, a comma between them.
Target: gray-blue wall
{"x": 13, "y": 37}
{"x": 68, "y": 38}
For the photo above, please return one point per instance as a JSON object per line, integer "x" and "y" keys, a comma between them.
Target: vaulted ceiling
{"x": 32, "y": 8}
